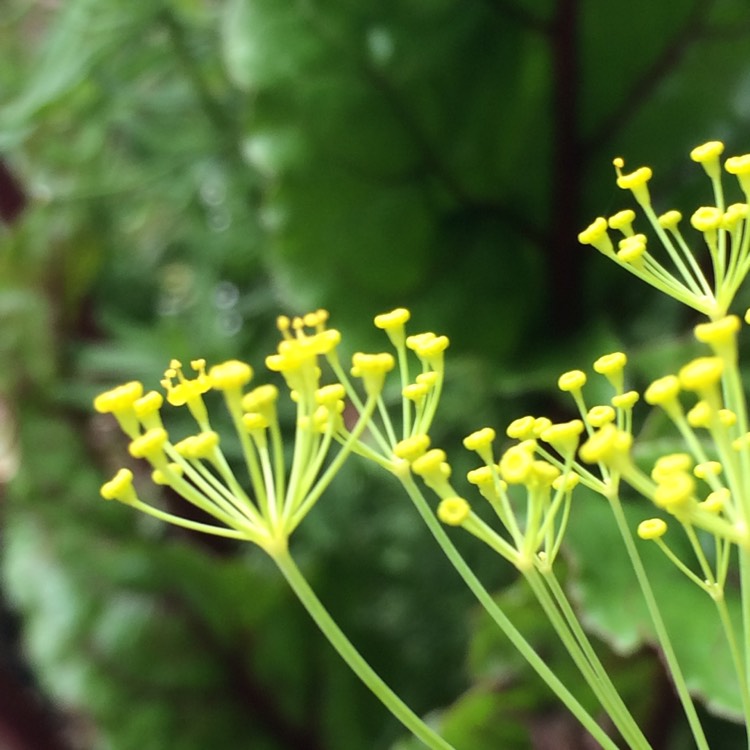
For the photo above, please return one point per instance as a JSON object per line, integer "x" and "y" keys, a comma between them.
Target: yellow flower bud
{"x": 652, "y": 528}
{"x": 572, "y": 381}
{"x": 566, "y": 482}
{"x": 707, "y": 469}
{"x": 701, "y": 374}
{"x": 669, "y": 220}
{"x": 596, "y": 236}
{"x": 120, "y": 487}
{"x": 716, "y": 501}
{"x": 662, "y": 391}
{"x": 412, "y": 447}
{"x": 521, "y": 428}
{"x": 563, "y": 437}
{"x": 740, "y": 166}
{"x": 622, "y": 221}
{"x": 605, "y": 445}
{"x": 674, "y": 491}
{"x": 707, "y": 155}
{"x": 718, "y": 332}
{"x": 453, "y": 511}
{"x": 625, "y": 400}
{"x": 230, "y": 375}
{"x": 707, "y": 152}
{"x": 707, "y": 219}
{"x": 480, "y": 440}
{"x": 516, "y": 464}
{"x": 672, "y": 463}
{"x": 635, "y": 180}
{"x": 392, "y": 320}
{"x": 598, "y": 416}
{"x": 632, "y": 248}
{"x": 119, "y": 398}
{"x": 150, "y": 445}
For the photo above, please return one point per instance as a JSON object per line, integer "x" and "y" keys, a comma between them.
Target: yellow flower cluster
{"x": 196, "y": 468}
{"x": 705, "y": 488}
{"x": 724, "y": 229}
{"x": 533, "y": 540}
{"x": 270, "y": 505}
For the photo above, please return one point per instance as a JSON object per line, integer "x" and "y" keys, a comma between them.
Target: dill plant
{"x": 702, "y": 492}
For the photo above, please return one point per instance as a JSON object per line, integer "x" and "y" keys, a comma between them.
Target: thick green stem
{"x": 579, "y": 647}
{"x": 352, "y": 657}
{"x": 661, "y": 631}
{"x": 744, "y": 556}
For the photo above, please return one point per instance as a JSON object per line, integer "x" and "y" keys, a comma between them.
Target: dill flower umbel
{"x": 723, "y": 228}
{"x": 267, "y": 506}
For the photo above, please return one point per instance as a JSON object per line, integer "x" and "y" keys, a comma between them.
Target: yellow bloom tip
{"x": 427, "y": 345}
{"x": 453, "y": 511}
{"x": 329, "y": 395}
{"x": 625, "y": 400}
{"x": 230, "y": 375}
{"x": 707, "y": 152}
{"x": 480, "y": 439}
{"x": 521, "y": 428}
{"x": 516, "y": 464}
{"x": 594, "y": 233}
{"x": 670, "y": 220}
{"x": 718, "y": 332}
{"x": 707, "y": 219}
{"x": 662, "y": 391}
{"x": 260, "y": 398}
{"x": 674, "y": 490}
{"x": 429, "y": 463}
{"x": 158, "y": 476}
{"x": 622, "y": 220}
{"x": 652, "y": 528}
{"x": 119, "y": 398}
{"x": 563, "y": 436}
{"x": 611, "y": 364}
{"x": 605, "y": 444}
{"x": 672, "y": 463}
{"x": 148, "y": 404}
{"x": 707, "y": 469}
{"x": 716, "y": 501}
{"x": 395, "y": 319}
{"x": 572, "y": 380}
{"x": 566, "y": 482}
{"x": 738, "y": 165}
{"x": 198, "y": 446}
{"x": 412, "y": 447}
{"x": 598, "y": 416}
{"x": 149, "y": 444}
{"x": 120, "y": 487}
{"x": 632, "y": 248}
{"x": 634, "y": 180}
{"x": 701, "y": 373}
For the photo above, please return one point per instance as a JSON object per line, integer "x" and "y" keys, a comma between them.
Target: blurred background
{"x": 176, "y": 173}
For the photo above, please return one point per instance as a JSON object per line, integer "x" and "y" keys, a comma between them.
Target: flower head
{"x": 269, "y": 506}
{"x": 682, "y": 276}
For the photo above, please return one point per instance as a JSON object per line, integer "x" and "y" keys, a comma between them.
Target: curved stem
{"x": 500, "y": 618}
{"x": 661, "y": 631}
{"x": 351, "y": 656}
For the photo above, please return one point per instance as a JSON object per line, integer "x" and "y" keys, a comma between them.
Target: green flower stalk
{"x": 269, "y": 504}
{"x": 404, "y": 450}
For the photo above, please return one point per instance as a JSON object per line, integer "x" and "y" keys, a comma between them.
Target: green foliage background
{"x": 193, "y": 168}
